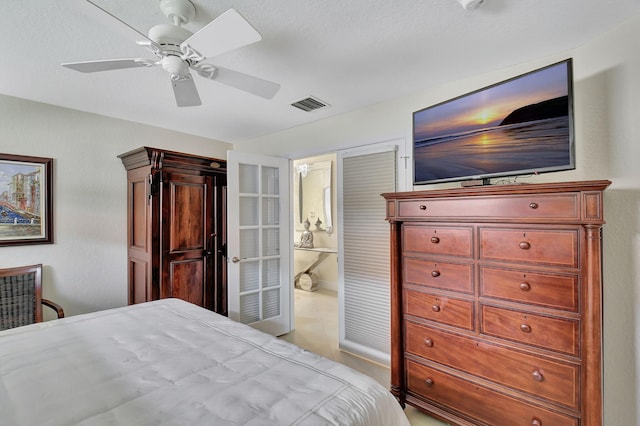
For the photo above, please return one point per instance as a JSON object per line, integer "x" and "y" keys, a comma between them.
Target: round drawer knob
{"x": 533, "y": 205}
{"x": 435, "y": 240}
{"x": 537, "y": 376}
{"x": 536, "y": 422}
{"x": 525, "y": 245}
{"x": 525, "y": 286}
{"x": 435, "y": 274}
{"x": 422, "y": 207}
{"x": 428, "y": 381}
{"x": 525, "y": 328}
{"x": 435, "y": 308}
{"x": 428, "y": 342}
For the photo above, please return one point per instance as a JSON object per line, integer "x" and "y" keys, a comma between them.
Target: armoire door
{"x": 188, "y": 238}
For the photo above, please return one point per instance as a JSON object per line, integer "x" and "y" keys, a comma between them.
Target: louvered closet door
{"x": 259, "y": 241}
{"x": 364, "y": 251}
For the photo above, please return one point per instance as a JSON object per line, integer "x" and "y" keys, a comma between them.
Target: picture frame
{"x": 26, "y": 200}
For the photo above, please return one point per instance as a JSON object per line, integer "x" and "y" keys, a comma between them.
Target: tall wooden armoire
{"x": 176, "y": 227}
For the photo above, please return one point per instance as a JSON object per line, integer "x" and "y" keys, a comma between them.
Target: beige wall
{"x": 85, "y": 268}
{"x": 607, "y": 113}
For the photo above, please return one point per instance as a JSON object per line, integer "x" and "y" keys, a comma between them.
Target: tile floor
{"x": 316, "y": 329}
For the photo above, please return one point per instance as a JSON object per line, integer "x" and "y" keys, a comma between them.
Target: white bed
{"x": 172, "y": 363}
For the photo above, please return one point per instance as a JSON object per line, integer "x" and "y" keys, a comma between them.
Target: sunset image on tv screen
{"x": 520, "y": 125}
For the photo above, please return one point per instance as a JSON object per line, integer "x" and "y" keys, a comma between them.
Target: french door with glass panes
{"x": 259, "y": 241}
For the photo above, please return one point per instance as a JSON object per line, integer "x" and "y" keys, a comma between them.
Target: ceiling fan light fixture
{"x": 176, "y": 67}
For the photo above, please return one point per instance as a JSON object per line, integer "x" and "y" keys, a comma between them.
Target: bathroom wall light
{"x": 303, "y": 169}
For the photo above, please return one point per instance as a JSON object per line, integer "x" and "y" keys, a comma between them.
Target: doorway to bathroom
{"x": 315, "y": 255}
{"x": 348, "y": 262}
{"x": 315, "y": 237}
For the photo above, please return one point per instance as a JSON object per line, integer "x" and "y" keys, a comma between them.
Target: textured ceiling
{"x": 348, "y": 53}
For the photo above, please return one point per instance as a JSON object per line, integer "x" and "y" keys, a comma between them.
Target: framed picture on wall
{"x": 25, "y": 200}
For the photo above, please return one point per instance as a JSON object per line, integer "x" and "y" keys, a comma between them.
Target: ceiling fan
{"x": 179, "y": 51}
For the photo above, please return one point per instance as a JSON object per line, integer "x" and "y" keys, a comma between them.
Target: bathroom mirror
{"x": 313, "y": 190}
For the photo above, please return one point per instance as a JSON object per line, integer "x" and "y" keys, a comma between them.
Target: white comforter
{"x": 172, "y": 363}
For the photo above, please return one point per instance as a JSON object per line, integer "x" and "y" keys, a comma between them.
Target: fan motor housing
{"x": 168, "y": 34}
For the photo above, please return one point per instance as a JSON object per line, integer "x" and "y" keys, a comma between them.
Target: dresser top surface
{"x": 510, "y": 189}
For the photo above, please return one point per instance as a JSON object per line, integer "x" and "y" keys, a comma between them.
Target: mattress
{"x": 169, "y": 362}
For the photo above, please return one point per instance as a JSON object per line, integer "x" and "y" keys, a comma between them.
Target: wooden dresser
{"x": 496, "y": 303}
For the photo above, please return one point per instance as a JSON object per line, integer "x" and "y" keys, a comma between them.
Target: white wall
{"x": 86, "y": 267}
{"x": 607, "y": 112}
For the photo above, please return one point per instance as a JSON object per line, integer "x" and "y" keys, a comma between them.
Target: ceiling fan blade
{"x": 108, "y": 65}
{"x": 227, "y": 32}
{"x": 248, "y": 83}
{"x": 185, "y": 92}
{"x": 108, "y": 20}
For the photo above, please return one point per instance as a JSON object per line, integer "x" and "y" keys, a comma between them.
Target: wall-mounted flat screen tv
{"x": 520, "y": 126}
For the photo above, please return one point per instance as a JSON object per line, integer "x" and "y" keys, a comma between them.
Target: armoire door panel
{"x": 138, "y": 208}
{"x": 188, "y": 212}
{"x": 187, "y": 280}
{"x": 139, "y": 279}
{"x": 139, "y": 198}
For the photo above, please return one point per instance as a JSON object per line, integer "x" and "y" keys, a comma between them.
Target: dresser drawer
{"x": 535, "y": 206}
{"x": 444, "y": 275}
{"x": 556, "y": 334}
{"x": 552, "y": 290}
{"x": 554, "y": 381}
{"x": 445, "y": 310}
{"x": 487, "y": 406}
{"x": 447, "y": 241}
{"x": 538, "y": 246}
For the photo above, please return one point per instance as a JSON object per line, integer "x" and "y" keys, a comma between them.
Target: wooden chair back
{"x": 20, "y": 296}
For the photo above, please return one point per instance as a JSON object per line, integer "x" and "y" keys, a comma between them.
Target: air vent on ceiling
{"x": 309, "y": 104}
